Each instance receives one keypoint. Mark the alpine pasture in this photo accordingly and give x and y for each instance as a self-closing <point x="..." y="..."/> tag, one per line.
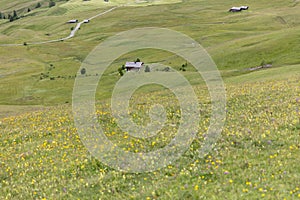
<point x="257" y="155"/>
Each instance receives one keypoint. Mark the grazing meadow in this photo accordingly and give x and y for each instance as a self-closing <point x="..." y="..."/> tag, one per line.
<point x="257" y="155"/>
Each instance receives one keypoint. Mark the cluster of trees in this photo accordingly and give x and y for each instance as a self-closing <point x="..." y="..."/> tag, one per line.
<point x="14" y="16"/>
<point x="2" y="15"/>
<point x="50" y="4"/>
<point x="183" y="67"/>
<point x="121" y="70"/>
<point x="9" y="16"/>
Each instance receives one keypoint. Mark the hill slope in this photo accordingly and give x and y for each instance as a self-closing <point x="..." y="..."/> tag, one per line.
<point x="257" y="155"/>
<point x="267" y="33"/>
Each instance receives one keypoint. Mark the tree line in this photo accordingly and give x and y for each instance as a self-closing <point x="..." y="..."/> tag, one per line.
<point x="14" y="15"/>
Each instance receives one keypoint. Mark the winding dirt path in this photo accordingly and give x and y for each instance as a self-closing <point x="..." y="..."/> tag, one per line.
<point x="72" y="34"/>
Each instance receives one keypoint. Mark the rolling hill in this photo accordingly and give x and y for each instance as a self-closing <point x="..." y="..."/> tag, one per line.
<point x="42" y="155"/>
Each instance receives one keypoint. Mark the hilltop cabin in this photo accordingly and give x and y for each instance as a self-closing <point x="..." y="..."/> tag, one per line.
<point x="73" y="21"/>
<point x="238" y="9"/>
<point x="133" y="66"/>
<point x="235" y="9"/>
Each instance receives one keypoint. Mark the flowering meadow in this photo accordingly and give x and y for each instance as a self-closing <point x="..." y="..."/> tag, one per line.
<point x="256" y="157"/>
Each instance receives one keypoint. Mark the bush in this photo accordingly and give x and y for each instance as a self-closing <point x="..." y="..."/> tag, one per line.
<point x="183" y="67"/>
<point x="121" y="70"/>
<point x="147" y="68"/>
<point x="166" y="69"/>
<point x="38" y="5"/>
<point x="51" y="4"/>
<point x="13" y="17"/>
<point x="83" y="71"/>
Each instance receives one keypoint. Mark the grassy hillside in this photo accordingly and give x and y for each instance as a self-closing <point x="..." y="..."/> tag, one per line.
<point x="268" y="33"/>
<point x="257" y="155"/>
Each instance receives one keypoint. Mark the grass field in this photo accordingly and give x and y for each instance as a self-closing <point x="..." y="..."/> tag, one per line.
<point x="257" y="155"/>
<point x="236" y="41"/>
<point x="78" y="5"/>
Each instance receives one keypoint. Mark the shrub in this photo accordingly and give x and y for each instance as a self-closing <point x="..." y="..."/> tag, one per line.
<point x="183" y="67"/>
<point x="83" y="71"/>
<point x="51" y="4"/>
<point x="38" y="5"/>
<point x="121" y="70"/>
<point x="147" y="68"/>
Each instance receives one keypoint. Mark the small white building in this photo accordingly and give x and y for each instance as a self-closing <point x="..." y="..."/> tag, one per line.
<point x="73" y="21"/>
<point x="86" y="21"/>
<point x="238" y="9"/>
<point x="235" y="9"/>
<point x="244" y="7"/>
<point x="133" y="66"/>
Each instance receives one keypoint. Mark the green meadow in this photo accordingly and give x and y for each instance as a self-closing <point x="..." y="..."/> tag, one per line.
<point x="256" y="156"/>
